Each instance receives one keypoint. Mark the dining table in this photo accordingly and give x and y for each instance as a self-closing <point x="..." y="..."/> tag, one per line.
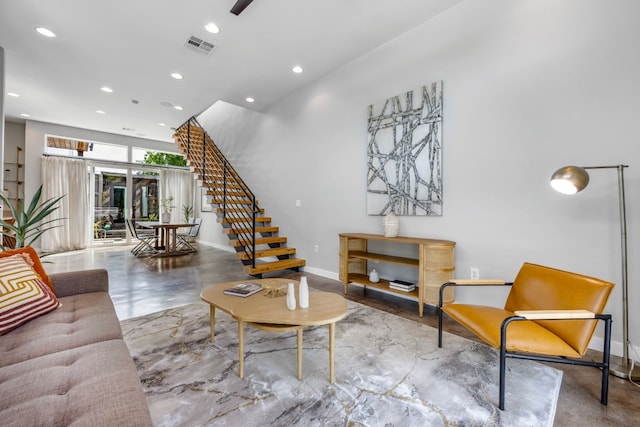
<point x="167" y="236"/>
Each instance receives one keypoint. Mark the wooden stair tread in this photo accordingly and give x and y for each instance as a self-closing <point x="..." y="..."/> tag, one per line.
<point x="245" y="211"/>
<point x="235" y="220"/>
<point x="230" y="201"/>
<point x="246" y="230"/>
<point x="271" y="252"/>
<point x="266" y="267"/>
<point x="259" y="241"/>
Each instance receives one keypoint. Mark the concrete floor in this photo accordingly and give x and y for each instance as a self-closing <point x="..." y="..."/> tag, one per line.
<point x="139" y="286"/>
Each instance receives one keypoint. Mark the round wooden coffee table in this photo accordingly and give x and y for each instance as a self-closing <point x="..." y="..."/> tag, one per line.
<point x="271" y="314"/>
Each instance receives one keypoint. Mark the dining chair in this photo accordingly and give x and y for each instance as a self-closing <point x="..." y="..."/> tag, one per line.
<point x="550" y="315"/>
<point x="185" y="239"/>
<point x="146" y="241"/>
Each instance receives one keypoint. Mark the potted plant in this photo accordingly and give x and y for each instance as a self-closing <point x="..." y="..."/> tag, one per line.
<point x="27" y="225"/>
<point x="167" y="207"/>
<point x="187" y="211"/>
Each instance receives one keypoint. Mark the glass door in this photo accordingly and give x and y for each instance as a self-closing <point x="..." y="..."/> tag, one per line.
<point x="109" y="205"/>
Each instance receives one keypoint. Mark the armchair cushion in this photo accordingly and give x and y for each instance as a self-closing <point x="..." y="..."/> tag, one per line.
<point x="527" y="336"/>
<point x="544" y="288"/>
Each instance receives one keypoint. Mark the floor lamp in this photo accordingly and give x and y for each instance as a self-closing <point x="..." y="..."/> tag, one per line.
<point x="570" y="180"/>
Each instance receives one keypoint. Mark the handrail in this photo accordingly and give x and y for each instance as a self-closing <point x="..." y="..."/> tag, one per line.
<point x="229" y="176"/>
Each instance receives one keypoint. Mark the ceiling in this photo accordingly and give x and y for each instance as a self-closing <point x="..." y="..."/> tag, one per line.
<point x="133" y="47"/>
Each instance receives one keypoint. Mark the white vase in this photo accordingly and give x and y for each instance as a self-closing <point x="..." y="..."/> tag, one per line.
<point x="166" y="217"/>
<point x="374" y="276"/>
<point x="291" y="297"/>
<point x="391" y="225"/>
<point x="303" y="293"/>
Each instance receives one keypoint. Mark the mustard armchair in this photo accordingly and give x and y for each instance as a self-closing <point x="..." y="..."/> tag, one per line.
<point x="550" y="316"/>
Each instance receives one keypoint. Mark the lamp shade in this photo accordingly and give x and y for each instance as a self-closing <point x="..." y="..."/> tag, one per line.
<point x="569" y="179"/>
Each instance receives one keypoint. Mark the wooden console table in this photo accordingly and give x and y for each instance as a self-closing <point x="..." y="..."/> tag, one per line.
<point x="435" y="264"/>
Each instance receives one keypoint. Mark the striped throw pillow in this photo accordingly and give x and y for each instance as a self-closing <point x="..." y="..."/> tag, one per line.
<point x="23" y="296"/>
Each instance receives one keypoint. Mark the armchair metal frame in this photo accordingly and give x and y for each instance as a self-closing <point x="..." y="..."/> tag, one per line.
<point x="504" y="353"/>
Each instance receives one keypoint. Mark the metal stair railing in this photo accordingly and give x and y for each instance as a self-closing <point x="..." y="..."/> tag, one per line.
<point x="214" y="160"/>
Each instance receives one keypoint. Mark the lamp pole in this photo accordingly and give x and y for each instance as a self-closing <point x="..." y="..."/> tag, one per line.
<point x="572" y="179"/>
<point x="622" y="368"/>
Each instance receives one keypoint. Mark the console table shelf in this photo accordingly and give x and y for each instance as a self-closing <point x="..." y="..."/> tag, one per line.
<point x="363" y="279"/>
<point x="385" y="258"/>
<point x="435" y="265"/>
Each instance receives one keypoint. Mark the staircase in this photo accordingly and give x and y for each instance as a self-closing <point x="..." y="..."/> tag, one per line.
<point x="257" y="243"/>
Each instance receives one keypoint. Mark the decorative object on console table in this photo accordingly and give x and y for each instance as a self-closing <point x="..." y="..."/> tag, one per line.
<point x="435" y="265"/>
<point x="391" y="225"/>
<point x="571" y="180"/>
<point x="402" y="285"/>
<point x="244" y="289"/>
<point x="374" y="276"/>
<point x="404" y="164"/>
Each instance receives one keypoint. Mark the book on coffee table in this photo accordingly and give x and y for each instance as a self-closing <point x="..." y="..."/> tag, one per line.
<point x="243" y="289"/>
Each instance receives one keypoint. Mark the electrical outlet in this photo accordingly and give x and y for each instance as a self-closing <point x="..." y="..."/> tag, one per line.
<point x="298" y="203"/>
<point x="316" y="248"/>
<point x="474" y="273"/>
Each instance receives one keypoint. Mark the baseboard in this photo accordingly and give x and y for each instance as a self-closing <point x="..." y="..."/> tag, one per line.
<point x="319" y="272"/>
<point x="616" y="348"/>
<point x="225" y="248"/>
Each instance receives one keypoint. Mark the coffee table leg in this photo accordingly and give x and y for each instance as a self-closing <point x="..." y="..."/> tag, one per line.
<point x="332" y="334"/>
<point x="300" y="353"/>
<point x="241" y="348"/>
<point x="212" y="321"/>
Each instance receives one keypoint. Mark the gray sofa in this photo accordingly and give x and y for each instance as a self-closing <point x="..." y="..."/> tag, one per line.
<point x="71" y="367"/>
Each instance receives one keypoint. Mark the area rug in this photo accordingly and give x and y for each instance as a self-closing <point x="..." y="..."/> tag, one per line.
<point x="389" y="371"/>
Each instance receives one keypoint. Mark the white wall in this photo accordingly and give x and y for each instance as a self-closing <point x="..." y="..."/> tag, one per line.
<point x="529" y="86"/>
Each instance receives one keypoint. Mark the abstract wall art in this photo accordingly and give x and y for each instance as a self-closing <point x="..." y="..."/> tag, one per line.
<point x="404" y="153"/>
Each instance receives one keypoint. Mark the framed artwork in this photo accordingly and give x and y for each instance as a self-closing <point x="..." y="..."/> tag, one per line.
<point x="205" y="206"/>
<point x="404" y="153"/>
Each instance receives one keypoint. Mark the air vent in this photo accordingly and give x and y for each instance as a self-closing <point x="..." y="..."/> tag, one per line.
<point x="199" y="45"/>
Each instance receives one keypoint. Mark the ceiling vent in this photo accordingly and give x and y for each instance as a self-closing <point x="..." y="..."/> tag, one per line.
<point x="199" y="45"/>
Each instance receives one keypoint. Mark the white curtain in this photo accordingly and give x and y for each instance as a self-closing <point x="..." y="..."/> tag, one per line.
<point x="180" y="185"/>
<point x="68" y="178"/>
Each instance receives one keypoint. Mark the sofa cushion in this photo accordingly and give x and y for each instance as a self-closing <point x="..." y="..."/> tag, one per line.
<point x="93" y="385"/>
<point x="37" y="265"/>
<point x="82" y="319"/>
<point x="23" y="296"/>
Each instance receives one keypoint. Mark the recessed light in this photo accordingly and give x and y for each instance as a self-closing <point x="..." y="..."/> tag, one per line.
<point x="15" y="95"/>
<point x="297" y="69"/>
<point x="177" y="76"/>
<point x="25" y="115"/>
<point x="45" y="32"/>
<point x="250" y="99"/>
<point x="162" y="124"/>
<point x="100" y="112"/>
<point x="177" y="107"/>
<point x="212" y="28"/>
<point x="106" y="89"/>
